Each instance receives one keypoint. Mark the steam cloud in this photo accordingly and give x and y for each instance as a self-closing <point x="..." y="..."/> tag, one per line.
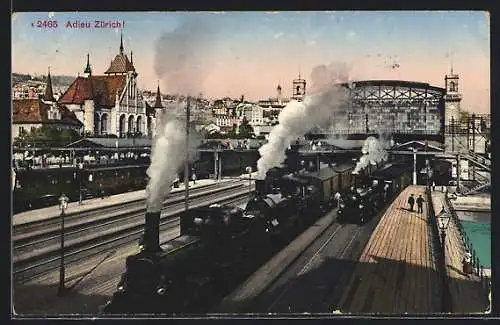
<point x="181" y="55"/>
<point x="168" y="155"/>
<point x="297" y="118"/>
<point x="180" y="63"/>
<point x="374" y="151"/>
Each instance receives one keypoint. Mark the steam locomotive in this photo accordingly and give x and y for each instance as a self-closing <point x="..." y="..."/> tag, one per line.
<point x="213" y="242"/>
<point x="361" y="203"/>
<point x="221" y="243"/>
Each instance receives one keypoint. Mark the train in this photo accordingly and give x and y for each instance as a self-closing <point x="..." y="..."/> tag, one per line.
<point x="38" y="188"/>
<point x="224" y="240"/>
<point x="213" y="238"/>
<point x="361" y="203"/>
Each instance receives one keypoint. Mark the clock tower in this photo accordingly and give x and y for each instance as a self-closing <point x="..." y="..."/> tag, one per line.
<point x="452" y="99"/>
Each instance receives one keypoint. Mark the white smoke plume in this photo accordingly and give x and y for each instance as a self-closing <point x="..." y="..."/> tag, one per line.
<point x="180" y="62"/>
<point x="374" y="151"/>
<point x="168" y="154"/>
<point x="182" y="55"/>
<point x="297" y="118"/>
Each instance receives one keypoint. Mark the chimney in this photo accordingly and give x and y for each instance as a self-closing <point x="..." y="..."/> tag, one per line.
<point x="152" y="232"/>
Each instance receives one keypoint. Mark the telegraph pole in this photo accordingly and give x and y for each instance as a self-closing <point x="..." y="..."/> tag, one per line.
<point x="186" y="164"/>
<point x="366" y="123"/>
<point x="468" y="133"/>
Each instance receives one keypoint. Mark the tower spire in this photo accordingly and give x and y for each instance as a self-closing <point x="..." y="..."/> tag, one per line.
<point x="49" y="95"/>
<point x="121" y="42"/>
<point x="88" y="69"/>
<point x="158" y="97"/>
<point x="131" y="57"/>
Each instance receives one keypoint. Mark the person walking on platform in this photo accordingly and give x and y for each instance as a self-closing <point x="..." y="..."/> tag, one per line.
<point x="337" y="199"/>
<point x="467" y="263"/>
<point x="101" y="191"/>
<point x="411" y="202"/>
<point x="420" y="204"/>
<point x="433" y="186"/>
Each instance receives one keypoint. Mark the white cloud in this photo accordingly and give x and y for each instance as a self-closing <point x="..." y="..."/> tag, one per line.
<point x="351" y="34"/>
<point x="278" y="35"/>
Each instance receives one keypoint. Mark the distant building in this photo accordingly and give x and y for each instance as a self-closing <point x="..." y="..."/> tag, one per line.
<point x="274" y="103"/>
<point x="29" y="114"/>
<point x="252" y="112"/>
<point x="111" y="103"/>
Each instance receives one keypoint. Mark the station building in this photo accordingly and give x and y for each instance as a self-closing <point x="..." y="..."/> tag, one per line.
<point x="111" y="104"/>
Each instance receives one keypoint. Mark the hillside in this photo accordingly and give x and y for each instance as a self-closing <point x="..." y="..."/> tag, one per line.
<point x="56" y="80"/>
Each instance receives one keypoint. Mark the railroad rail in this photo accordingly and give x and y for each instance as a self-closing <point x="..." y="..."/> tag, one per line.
<point x="109" y="237"/>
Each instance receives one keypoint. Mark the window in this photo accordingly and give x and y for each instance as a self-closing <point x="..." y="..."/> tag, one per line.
<point x="21" y="130"/>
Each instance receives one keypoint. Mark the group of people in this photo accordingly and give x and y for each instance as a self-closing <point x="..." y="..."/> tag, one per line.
<point x="420" y="203"/>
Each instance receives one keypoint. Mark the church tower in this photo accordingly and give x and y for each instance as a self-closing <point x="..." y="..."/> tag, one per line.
<point x="299" y="88"/>
<point x="452" y="99"/>
<point x="88" y="69"/>
<point x="48" y="96"/>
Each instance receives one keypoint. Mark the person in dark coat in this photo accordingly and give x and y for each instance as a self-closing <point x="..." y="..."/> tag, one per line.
<point x="420" y="204"/>
<point x="411" y="202"/>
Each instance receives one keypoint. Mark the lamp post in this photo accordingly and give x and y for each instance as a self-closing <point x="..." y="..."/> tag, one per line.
<point x="80" y="168"/>
<point x="443" y="219"/>
<point x="249" y="171"/>
<point x="63" y="203"/>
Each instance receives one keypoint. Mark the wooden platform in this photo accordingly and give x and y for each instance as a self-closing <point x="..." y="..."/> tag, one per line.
<point x="467" y="294"/>
<point x="396" y="273"/>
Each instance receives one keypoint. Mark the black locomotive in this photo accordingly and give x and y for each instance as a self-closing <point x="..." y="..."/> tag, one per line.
<point x="219" y="244"/>
<point x="215" y="242"/>
<point x="362" y="202"/>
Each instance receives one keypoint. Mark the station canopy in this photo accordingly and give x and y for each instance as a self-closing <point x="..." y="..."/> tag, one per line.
<point x="111" y="143"/>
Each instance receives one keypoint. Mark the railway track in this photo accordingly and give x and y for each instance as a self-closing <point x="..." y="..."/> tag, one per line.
<point x="319" y="272"/>
<point x="32" y="243"/>
<point x="22" y="231"/>
<point x="97" y="243"/>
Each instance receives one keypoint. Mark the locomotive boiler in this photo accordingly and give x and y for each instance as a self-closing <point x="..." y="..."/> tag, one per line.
<point x="187" y="269"/>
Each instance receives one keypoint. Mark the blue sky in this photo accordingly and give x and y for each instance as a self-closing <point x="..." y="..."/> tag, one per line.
<point x="271" y="47"/>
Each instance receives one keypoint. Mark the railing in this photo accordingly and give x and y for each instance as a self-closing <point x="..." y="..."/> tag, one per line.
<point x="477" y="268"/>
<point x="446" y="305"/>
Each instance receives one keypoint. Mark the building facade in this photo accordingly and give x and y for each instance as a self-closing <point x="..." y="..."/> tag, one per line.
<point x="29" y="114"/>
<point x="111" y="104"/>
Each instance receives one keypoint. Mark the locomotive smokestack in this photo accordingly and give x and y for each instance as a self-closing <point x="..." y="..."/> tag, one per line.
<point x="152" y="232"/>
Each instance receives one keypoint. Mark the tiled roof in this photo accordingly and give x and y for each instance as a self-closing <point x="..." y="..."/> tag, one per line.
<point x="102" y="89"/>
<point x="120" y="64"/>
<point x="35" y="111"/>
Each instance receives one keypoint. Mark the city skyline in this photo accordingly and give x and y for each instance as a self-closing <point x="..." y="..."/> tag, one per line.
<point x="249" y="53"/>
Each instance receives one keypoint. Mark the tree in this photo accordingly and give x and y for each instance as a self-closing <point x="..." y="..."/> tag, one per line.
<point x="46" y="136"/>
<point x="246" y="130"/>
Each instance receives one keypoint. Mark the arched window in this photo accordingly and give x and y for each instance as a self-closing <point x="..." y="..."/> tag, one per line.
<point x="453" y="86"/>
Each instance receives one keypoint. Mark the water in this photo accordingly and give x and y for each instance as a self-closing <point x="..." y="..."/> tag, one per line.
<point x="478" y="228"/>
